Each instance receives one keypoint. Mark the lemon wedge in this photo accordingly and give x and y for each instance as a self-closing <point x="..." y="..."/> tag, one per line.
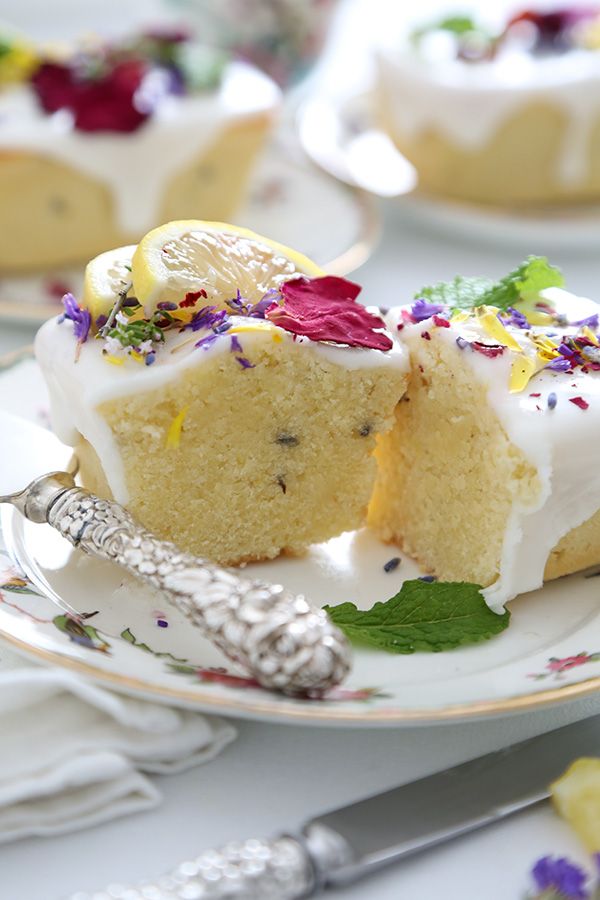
<point x="105" y="277"/>
<point x="193" y="255"/>
<point x="576" y="796"/>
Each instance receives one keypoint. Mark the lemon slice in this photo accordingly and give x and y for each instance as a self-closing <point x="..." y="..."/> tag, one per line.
<point x="105" y="277"/>
<point x="576" y="795"/>
<point x="221" y="259"/>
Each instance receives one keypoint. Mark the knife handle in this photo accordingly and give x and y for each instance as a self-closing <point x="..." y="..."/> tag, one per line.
<point x="280" y="869"/>
<point x="278" y="637"/>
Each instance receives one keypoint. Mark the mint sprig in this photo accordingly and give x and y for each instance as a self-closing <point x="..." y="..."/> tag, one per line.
<point x="460" y="293"/>
<point x="532" y="276"/>
<point x="422" y="616"/>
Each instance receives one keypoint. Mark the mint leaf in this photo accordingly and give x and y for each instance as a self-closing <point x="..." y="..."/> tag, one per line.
<point x="431" y="616"/>
<point x="457" y="25"/>
<point x="531" y="277"/>
<point x="460" y="293"/>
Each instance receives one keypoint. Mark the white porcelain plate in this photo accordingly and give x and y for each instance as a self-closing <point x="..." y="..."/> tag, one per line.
<point x="342" y="136"/>
<point x="285" y="198"/>
<point x="70" y="610"/>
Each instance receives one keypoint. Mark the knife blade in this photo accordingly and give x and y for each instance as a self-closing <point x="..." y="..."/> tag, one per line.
<point x="388" y="827"/>
<point x="352" y="842"/>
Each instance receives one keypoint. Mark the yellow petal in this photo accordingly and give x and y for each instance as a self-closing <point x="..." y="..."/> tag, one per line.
<point x="522" y="370"/>
<point x="174" y="432"/>
<point x="488" y="319"/>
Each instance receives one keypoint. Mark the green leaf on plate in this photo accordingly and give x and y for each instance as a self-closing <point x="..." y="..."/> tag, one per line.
<point x="430" y="616"/>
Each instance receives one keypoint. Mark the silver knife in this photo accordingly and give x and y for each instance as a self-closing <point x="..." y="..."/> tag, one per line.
<point x="350" y="843"/>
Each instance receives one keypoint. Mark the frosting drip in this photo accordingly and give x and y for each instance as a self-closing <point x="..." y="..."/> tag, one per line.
<point x="136" y="167"/>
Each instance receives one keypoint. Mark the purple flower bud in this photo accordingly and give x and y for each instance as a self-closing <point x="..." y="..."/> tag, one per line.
<point x="421" y="309"/>
<point x="562" y="876"/>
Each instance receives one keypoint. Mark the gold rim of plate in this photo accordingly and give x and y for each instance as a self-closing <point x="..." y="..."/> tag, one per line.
<point x="316" y="713"/>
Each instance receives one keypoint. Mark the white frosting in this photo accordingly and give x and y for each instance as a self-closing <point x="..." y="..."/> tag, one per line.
<point x="137" y="166"/>
<point x="468" y="102"/>
<point x="78" y="388"/>
<point x="561" y="444"/>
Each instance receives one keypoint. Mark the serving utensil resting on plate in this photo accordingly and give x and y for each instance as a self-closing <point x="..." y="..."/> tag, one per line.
<point x="283" y="641"/>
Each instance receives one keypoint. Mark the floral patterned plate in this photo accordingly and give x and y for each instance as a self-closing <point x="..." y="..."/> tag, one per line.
<point x="285" y="192"/>
<point x="61" y="607"/>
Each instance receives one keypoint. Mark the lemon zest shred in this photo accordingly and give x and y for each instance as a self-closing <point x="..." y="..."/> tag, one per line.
<point x="175" y="428"/>
<point x="239" y="329"/>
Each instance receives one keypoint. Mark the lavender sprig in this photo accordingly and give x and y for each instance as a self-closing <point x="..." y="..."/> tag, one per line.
<point x="81" y="318"/>
<point x="556" y="878"/>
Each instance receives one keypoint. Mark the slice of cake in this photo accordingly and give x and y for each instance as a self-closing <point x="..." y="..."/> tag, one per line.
<point x="103" y="141"/>
<point x="490" y="474"/>
<point x="224" y="389"/>
<point x="497" y="110"/>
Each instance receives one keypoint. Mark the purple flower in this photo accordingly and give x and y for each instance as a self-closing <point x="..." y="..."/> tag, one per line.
<point x="516" y="318"/>
<point x="236" y="347"/>
<point x="166" y="304"/>
<point x="591" y="321"/>
<point x="243" y="307"/>
<point x="562" y="876"/>
<point x="80" y="318"/>
<point x="560" y="364"/>
<point x="245" y="363"/>
<point x="421" y="309"/>
<point x="207" y="341"/>
<point x="208" y="317"/>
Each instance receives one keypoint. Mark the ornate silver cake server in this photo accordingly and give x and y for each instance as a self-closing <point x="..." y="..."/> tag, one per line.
<point x="283" y="641"/>
<point x="349" y="843"/>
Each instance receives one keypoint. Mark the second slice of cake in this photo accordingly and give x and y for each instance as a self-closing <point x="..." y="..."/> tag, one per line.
<point x="231" y="395"/>
<point x="490" y="474"/>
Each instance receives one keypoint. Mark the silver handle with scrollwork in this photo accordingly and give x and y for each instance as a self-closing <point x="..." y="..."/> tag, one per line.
<point x="284" y="642"/>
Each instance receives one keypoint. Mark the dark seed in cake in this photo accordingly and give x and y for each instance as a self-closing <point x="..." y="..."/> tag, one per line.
<point x="281" y="482"/>
<point x="287" y="440"/>
<point x="365" y="430"/>
<point x="58" y="205"/>
<point x="392" y="564"/>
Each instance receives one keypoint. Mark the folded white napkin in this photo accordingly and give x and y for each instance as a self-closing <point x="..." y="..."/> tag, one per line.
<point x="72" y="753"/>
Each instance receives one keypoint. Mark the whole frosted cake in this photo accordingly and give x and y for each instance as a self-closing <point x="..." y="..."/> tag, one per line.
<point x="490" y="474"/>
<point x="503" y="112"/>
<point x="224" y="389"/>
<point x="103" y="142"/>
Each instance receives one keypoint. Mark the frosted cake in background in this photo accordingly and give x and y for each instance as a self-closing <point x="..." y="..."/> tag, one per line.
<point x="101" y="142"/>
<point x="224" y="389"/>
<point x="490" y="474"/>
<point x="503" y="114"/>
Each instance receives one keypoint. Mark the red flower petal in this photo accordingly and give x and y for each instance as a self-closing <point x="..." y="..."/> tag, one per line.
<point x="325" y="309"/>
<point x="105" y="103"/>
<point x="580" y="402"/>
<point x="490" y="350"/>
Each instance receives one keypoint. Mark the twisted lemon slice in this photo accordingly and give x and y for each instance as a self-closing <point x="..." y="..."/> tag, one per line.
<point x="576" y="795"/>
<point x="192" y="255"/>
<point x="106" y="276"/>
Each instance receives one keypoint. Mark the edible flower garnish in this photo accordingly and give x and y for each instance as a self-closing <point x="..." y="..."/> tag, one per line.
<point x="325" y="309"/>
<point x="118" y="86"/>
<point x="557" y="877"/>
<point x="80" y="318"/>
